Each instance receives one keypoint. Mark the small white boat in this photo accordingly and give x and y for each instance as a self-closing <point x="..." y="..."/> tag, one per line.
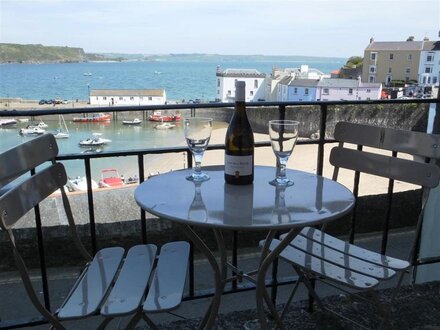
<point x="63" y="131"/>
<point x="41" y="124"/>
<point x="32" y="130"/>
<point x="164" y="126"/>
<point x="135" y="121"/>
<point x="87" y="74"/>
<point x="80" y="184"/>
<point x="7" y="122"/>
<point x="95" y="141"/>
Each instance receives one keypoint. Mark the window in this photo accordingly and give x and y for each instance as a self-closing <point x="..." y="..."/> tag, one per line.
<point x="373" y="56"/>
<point x="409" y="57"/>
<point x="391" y="56"/>
<point x="430" y="58"/>
<point x="434" y="80"/>
<point x="407" y="70"/>
<point x="350" y="91"/>
<point x="371" y="79"/>
<point x="325" y="91"/>
<point x="255" y="83"/>
<point x="372" y="69"/>
<point x="388" y="79"/>
<point x="131" y="98"/>
<point x="306" y="91"/>
<point x="121" y="98"/>
<point x="229" y="93"/>
<point x="104" y="98"/>
<point x="368" y="90"/>
<point x="97" y="98"/>
<point x="251" y="93"/>
<point x="424" y="80"/>
<point x="428" y="69"/>
<point x="389" y="70"/>
<point x="295" y="90"/>
<point x="150" y="98"/>
<point x="429" y="80"/>
<point x="218" y="82"/>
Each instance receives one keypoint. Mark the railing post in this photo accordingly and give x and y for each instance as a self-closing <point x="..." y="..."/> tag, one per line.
<point x="91" y="205"/>
<point x="322" y="131"/>
<point x="143" y="217"/>
<point x="43" y="267"/>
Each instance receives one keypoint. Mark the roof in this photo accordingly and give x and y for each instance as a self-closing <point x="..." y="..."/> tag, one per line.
<point x="304" y="82"/>
<point x="241" y="73"/>
<point x="341" y="83"/>
<point x="127" y="92"/>
<point x="431" y="45"/>
<point x="395" y="45"/>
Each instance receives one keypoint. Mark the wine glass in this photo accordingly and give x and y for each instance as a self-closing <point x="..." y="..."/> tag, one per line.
<point x="197" y="135"/>
<point x="283" y="135"/>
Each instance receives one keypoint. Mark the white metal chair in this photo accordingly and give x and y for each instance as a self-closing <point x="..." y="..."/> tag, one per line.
<point x="113" y="283"/>
<point x="316" y="255"/>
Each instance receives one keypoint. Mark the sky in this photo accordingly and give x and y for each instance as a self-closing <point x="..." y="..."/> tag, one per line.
<point x="331" y="28"/>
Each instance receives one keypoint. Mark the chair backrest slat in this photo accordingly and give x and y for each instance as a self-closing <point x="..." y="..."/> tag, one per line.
<point x="24" y="196"/>
<point x="423" y="174"/>
<point x="414" y="143"/>
<point x="21" y="159"/>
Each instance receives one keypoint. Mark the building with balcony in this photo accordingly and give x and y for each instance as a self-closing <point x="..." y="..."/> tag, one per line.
<point x="123" y="97"/>
<point x="389" y="61"/>
<point x="429" y="68"/>
<point x="255" y="84"/>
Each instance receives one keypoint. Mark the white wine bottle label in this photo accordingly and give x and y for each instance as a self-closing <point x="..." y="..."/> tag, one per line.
<point x="238" y="165"/>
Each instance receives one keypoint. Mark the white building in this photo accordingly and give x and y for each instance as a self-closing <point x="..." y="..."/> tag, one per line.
<point x="255" y="84"/>
<point x="329" y="89"/>
<point x="280" y="79"/>
<point x="429" y="67"/>
<point x="109" y="97"/>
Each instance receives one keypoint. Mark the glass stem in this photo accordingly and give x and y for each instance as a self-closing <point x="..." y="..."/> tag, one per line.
<point x="282" y="169"/>
<point x="198" y="160"/>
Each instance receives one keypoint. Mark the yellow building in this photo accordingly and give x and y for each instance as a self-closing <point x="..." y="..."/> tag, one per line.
<point x="391" y="61"/>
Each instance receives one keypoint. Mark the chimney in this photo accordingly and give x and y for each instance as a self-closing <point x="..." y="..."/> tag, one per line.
<point x="371" y="40"/>
<point x="425" y="39"/>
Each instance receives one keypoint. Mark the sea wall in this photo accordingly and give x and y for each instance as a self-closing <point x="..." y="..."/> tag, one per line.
<point x="405" y="116"/>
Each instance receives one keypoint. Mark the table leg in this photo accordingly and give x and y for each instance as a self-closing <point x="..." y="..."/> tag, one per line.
<point x="219" y="274"/>
<point x="266" y="260"/>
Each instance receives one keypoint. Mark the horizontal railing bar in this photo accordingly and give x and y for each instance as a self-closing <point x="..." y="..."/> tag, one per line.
<point x="62" y="111"/>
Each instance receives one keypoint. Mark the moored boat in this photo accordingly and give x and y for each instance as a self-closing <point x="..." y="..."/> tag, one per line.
<point x="157" y="116"/>
<point x="63" y="131"/>
<point x="164" y="126"/>
<point x="95" y="141"/>
<point x="80" y="184"/>
<point x="110" y="178"/>
<point x="7" y="122"/>
<point x="135" y="121"/>
<point x="32" y="130"/>
<point x="93" y="117"/>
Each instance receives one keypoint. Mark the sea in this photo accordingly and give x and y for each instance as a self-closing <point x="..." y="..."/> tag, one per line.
<point x="184" y="78"/>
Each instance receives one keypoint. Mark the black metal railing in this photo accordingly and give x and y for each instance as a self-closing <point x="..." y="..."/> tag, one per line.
<point x="87" y="158"/>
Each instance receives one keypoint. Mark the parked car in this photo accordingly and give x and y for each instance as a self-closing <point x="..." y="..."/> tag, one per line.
<point x="42" y="102"/>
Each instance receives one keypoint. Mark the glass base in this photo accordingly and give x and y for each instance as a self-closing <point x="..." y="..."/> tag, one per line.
<point x="281" y="182"/>
<point x="198" y="177"/>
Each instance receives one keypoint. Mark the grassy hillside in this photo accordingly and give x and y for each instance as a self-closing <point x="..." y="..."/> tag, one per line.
<point x="15" y="53"/>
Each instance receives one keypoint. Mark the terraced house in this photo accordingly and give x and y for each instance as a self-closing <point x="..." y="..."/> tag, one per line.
<point x="387" y="62"/>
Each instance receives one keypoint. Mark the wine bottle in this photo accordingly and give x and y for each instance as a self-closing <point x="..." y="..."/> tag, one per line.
<point x="239" y="142"/>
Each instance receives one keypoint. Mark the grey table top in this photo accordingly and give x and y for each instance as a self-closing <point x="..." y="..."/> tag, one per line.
<point x="310" y="201"/>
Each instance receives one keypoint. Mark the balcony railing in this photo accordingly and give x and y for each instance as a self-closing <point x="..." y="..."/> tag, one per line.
<point x="281" y="109"/>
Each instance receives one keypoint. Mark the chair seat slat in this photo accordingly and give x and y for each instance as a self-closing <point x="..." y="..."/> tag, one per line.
<point x="168" y="282"/>
<point x="353" y="250"/>
<point x="340" y="258"/>
<point x="128" y="291"/>
<point x="323" y="268"/>
<point x="93" y="286"/>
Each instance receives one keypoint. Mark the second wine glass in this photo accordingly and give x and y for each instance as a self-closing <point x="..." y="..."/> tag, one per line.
<point x="283" y="136"/>
<point x="197" y="135"/>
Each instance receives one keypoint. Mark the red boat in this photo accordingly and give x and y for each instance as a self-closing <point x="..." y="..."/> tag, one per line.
<point x="93" y="117"/>
<point x="110" y="178"/>
<point x="157" y="116"/>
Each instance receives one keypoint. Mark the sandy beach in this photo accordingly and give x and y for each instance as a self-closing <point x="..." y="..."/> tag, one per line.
<point x="304" y="158"/>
